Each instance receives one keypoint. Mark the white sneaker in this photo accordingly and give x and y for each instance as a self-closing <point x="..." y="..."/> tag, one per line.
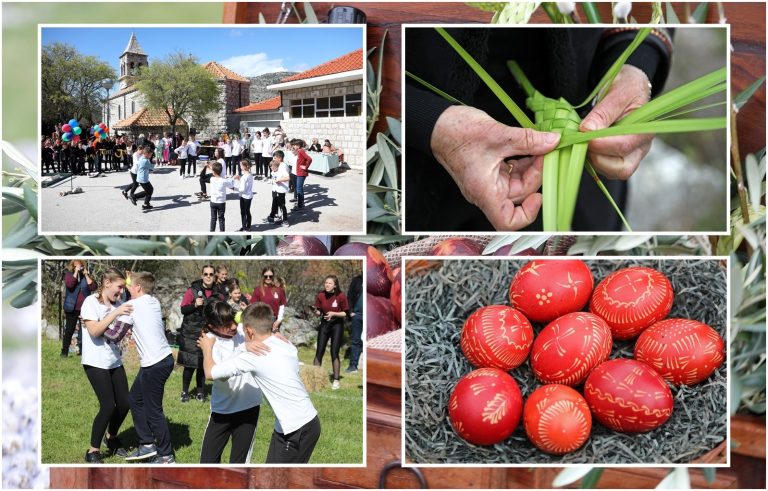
<point x="336" y="385"/>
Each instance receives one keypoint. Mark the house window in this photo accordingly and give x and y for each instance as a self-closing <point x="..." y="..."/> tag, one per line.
<point x="133" y="107"/>
<point x="324" y="107"/>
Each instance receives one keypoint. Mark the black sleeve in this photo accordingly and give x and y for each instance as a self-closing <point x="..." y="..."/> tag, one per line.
<point x="652" y="56"/>
<point x="423" y="110"/>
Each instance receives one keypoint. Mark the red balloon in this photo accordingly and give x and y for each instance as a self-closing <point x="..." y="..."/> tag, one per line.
<point x="631" y="299"/>
<point x="102" y="126"/>
<point x="557" y="419"/>
<point x="683" y="351"/>
<point x="569" y="348"/>
<point x="628" y="396"/>
<point x="485" y="406"/>
<point x="544" y="290"/>
<point x="497" y="336"/>
<point x="66" y="128"/>
<point x="76" y="138"/>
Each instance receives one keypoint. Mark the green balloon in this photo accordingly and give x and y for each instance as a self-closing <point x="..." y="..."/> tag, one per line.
<point x="77" y="130"/>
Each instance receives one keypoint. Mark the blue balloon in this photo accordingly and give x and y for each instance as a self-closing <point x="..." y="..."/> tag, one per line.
<point x="73" y="123"/>
<point x="67" y="136"/>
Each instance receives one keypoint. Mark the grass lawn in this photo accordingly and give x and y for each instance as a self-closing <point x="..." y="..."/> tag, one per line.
<point x="69" y="406"/>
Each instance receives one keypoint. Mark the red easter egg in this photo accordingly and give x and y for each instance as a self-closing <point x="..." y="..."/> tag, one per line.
<point x="379" y="316"/>
<point x="544" y="290"/>
<point x="457" y="247"/>
<point x="557" y="419"/>
<point x="628" y="396"/>
<point x="377" y="271"/>
<point x="396" y="295"/>
<point x="683" y="351"/>
<point x="485" y="406"/>
<point x="496" y="336"/>
<point x="632" y="299"/>
<point x="301" y="245"/>
<point x="569" y="347"/>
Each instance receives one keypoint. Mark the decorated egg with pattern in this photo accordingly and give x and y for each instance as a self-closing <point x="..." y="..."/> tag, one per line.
<point x="496" y="336"/>
<point x="543" y="290"/>
<point x="485" y="406"/>
<point x="628" y="396"/>
<point x="683" y="351"/>
<point x="556" y="419"/>
<point x="631" y="299"/>
<point x="569" y="347"/>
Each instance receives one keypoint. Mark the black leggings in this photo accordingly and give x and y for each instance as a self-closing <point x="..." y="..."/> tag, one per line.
<point x="111" y="387"/>
<point x="241" y="426"/>
<point x="245" y="213"/>
<point x="335" y="332"/>
<point x="69" y="329"/>
<point x="186" y="378"/>
<point x="182" y="164"/>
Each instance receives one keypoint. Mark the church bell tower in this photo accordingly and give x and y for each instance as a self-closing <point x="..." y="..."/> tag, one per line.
<point x="132" y="59"/>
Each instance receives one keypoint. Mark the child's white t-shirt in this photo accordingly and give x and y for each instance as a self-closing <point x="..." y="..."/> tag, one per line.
<point x="290" y="160"/>
<point x="266" y="146"/>
<point x="277" y="374"/>
<point x="281" y="172"/>
<point x="219" y="187"/>
<point x="148" y="330"/>
<point x="239" y="392"/>
<point x="135" y="167"/>
<point x="245" y="186"/>
<point x="97" y="351"/>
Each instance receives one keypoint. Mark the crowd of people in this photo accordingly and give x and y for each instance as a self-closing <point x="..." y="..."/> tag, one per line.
<point x="274" y="159"/>
<point x="226" y="336"/>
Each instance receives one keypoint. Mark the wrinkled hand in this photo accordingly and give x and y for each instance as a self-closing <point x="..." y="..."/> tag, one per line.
<point x="257" y="347"/>
<point x="472" y="147"/>
<point x="618" y="157"/>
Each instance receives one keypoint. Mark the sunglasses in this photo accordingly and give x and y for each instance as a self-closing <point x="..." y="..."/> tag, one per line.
<point x="267" y="276"/>
<point x="207" y="274"/>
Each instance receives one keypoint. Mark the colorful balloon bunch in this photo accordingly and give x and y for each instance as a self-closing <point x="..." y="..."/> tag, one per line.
<point x="100" y="131"/>
<point x="71" y="131"/>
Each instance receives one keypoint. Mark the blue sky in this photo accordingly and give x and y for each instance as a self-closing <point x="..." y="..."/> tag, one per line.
<point x="249" y="51"/>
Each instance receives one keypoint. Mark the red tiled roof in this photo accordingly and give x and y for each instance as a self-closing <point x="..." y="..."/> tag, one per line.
<point x="265" y="105"/>
<point x="147" y="117"/>
<point x="220" y="71"/>
<point x="345" y="63"/>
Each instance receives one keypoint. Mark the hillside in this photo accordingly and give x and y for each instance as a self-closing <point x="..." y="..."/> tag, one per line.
<point x="259" y="84"/>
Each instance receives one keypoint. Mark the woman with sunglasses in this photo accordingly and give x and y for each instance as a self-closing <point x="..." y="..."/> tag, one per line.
<point x="201" y="291"/>
<point x="272" y="295"/>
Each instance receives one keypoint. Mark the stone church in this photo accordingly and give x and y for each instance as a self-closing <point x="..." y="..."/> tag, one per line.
<point x="126" y="112"/>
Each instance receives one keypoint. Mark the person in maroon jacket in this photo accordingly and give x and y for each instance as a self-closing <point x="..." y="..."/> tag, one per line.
<point x="303" y="161"/>
<point x="78" y="285"/>
<point x="332" y="305"/>
<point x="272" y="295"/>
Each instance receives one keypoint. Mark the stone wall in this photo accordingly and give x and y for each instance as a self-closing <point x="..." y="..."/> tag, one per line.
<point x="347" y="133"/>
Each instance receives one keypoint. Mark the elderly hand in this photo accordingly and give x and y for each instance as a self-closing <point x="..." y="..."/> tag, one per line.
<point x="472" y="147"/>
<point x="618" y="157"/>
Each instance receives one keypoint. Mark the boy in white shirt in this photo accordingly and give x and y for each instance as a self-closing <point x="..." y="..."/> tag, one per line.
<point x="297" y="425"/>
<point x="219" y="186"/>
<point x="245" y="189"/>
<point x="237" y="149"/>
<point x="267" y="142"/>
<point x="235" y="402"/>
<point x="279" y="178"/>
<point x="156" y="365"/>
<point x="129" y="190"/>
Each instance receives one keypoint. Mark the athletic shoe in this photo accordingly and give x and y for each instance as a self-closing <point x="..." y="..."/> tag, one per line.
<point x="125" y="194"/>
<point x="198" y="194"/>
<point x="336" y="385"/>
<point x="351" y="370"/>
<point x="285" y="223"/>
<point x="201" y="396"/>
<point x="204" y="197"/>
<point x="93" y="457"/>
<point x="147" y="207"/>
<point x="143" y="452"/>
<point x="270" y="219"/>
<point x="163" y="459"/>
<point x="133" y="200"/>
<point x="185" y="397"/>
<point x="115" y="446"/>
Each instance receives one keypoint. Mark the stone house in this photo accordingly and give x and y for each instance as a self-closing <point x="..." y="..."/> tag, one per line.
<point x="325" y="101"/>
<point x="127" y="114"/>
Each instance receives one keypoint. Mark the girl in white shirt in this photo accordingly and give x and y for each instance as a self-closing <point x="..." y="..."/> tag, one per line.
<point x="182" y="153"/>
<point x="103" y="364"/>
<point x="245" y="189"/>
<point x="235" y="401"/>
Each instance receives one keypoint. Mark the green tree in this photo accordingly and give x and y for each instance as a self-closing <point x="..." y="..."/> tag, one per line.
<point x="71" y="85"/>
<point x="180" y="87"/>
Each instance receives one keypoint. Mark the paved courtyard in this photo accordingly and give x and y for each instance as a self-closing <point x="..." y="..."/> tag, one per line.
<point x="333" y="204"/>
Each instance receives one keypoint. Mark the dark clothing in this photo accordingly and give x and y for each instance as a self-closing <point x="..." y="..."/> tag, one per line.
<point x="146" y="192"/>
<point x="278" y="203"/>
<point x="70" y="323"/>
<point x="245" y="213"/>
<point x="273" y="296"/>
<point x="241" y="426"/>
<point x="300" y="190"/>
<point x="355" y="297"/>
<point x="295" y="447"/>
<point x="324" y="302"/>
<point x="192" y="324"/>
<point x="182" y="164"/>
<point x="217" y="213"/>
<point x="146" y="398"/>
<point x="77" y="289"/>
<point x="131" y="189"/>
<point x="579" y="57"/>
<point x="186" y="379"/>
<point x="111" y="388"/>
<point x="332" y="330"/>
